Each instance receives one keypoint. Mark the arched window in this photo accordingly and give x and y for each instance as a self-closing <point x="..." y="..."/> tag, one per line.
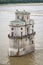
<point x="12" y="28"/>
<point x="21" y="28"/>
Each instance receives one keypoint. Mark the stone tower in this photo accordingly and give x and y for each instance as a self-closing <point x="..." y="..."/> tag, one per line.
<point x="21" y="37"/>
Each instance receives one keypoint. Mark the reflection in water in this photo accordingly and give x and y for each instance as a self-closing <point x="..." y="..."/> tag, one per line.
<point x="34" y="58"/>
<point x="24" y="60"/>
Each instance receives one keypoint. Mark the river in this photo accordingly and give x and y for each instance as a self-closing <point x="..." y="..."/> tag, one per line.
<point x="7" y="14"/>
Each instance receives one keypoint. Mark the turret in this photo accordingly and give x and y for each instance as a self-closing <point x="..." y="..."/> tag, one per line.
<point x="23" y="15"/>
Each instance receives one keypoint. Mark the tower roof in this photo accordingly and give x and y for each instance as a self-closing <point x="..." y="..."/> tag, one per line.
<point x="17" y="22"/>
<point x="22" y="12"/>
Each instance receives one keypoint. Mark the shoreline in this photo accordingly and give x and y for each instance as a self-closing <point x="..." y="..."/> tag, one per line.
<point x="23" y="4"/>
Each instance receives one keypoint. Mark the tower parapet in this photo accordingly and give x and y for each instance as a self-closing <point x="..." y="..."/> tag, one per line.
<point x="21" y="35"/>
<point x="23" y="15"/>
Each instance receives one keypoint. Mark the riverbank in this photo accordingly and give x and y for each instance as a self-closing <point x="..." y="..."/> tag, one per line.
<point x="23" y="4"/>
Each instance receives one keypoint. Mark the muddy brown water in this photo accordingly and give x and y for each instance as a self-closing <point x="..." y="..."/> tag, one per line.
<point x="7" y="14"/>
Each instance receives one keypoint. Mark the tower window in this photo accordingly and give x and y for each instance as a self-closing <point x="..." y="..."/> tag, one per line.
<point x="21" y="28"/>
<point x="12" y="28"/>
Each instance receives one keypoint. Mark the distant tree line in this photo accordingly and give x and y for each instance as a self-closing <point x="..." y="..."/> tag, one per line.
<point x="20" y="1"/>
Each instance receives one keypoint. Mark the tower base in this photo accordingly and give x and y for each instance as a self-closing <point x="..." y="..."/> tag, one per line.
<point x="22" y="51"/>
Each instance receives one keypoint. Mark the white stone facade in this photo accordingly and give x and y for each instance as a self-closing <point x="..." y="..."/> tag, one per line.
<point x="21" y="37"/>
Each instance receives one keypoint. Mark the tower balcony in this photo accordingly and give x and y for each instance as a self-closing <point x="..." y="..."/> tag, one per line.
<point x="20" y="37"/>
